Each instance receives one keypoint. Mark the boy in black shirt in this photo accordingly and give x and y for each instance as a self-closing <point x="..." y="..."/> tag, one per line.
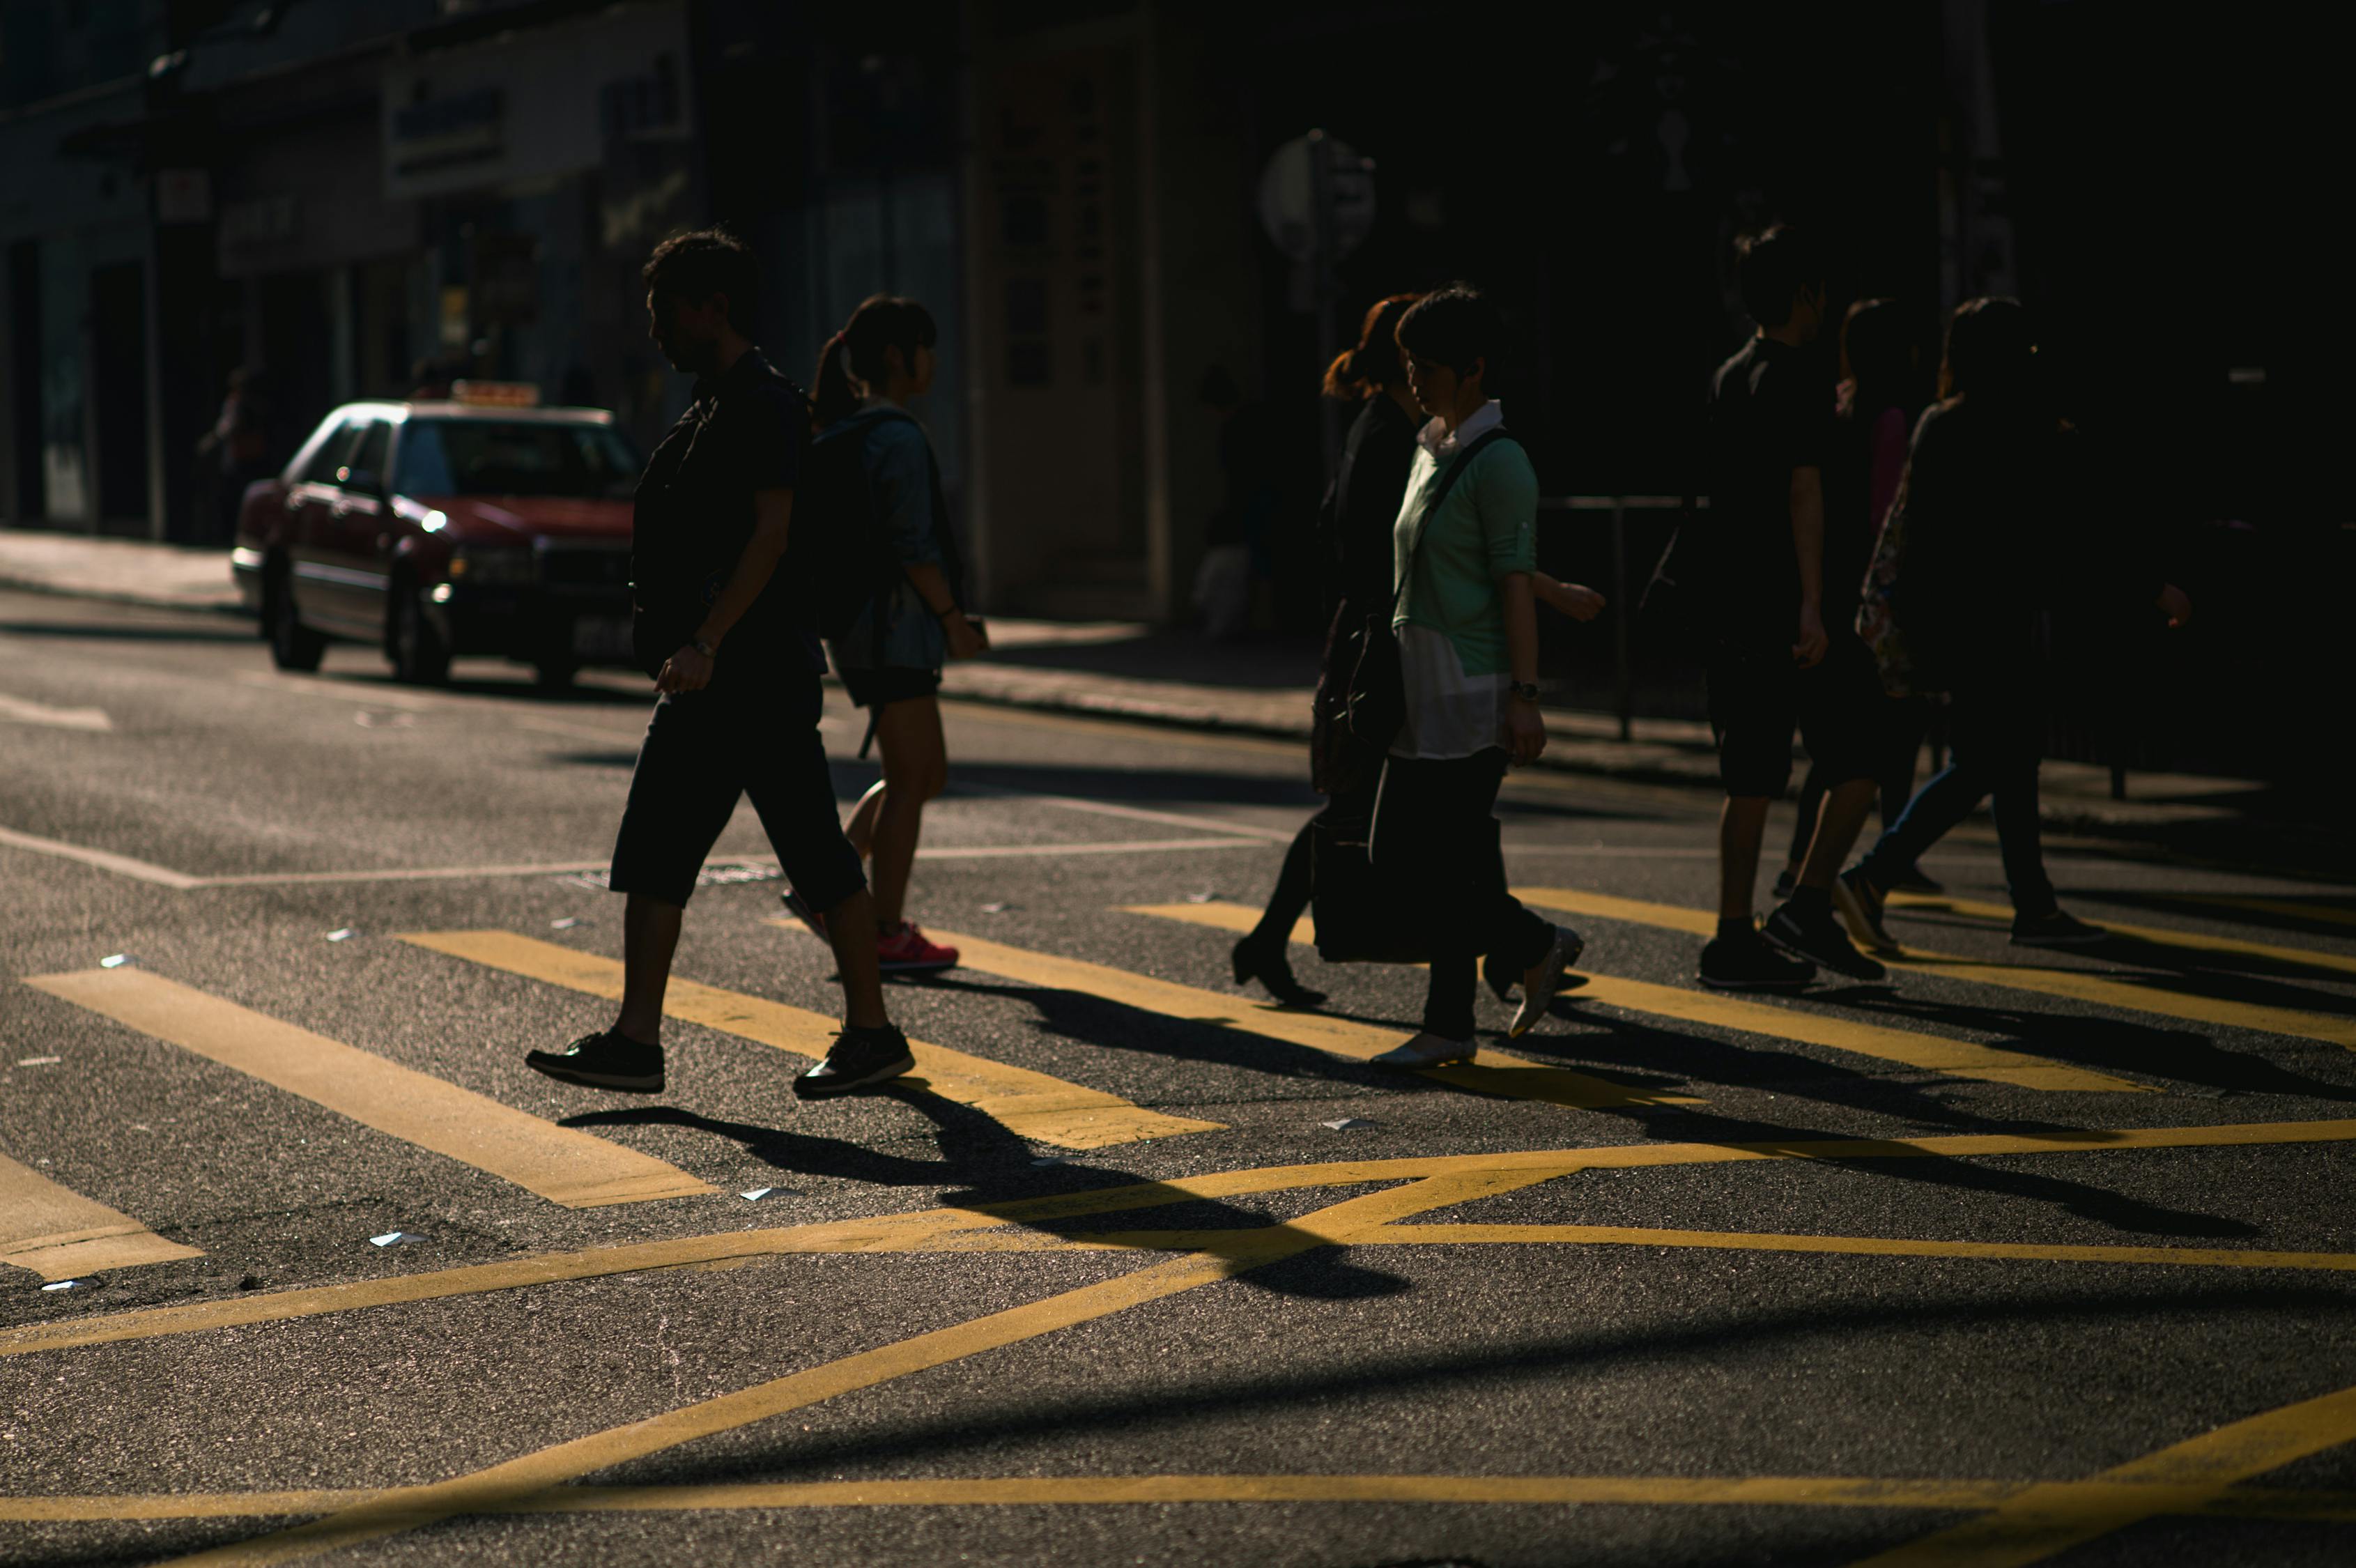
<point x="739" y="709"/>
<point x="1774" y="666"/>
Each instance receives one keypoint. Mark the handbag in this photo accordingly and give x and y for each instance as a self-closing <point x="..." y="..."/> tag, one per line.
<point x="1361" y="699"/>
<point x="1877" y="618"/>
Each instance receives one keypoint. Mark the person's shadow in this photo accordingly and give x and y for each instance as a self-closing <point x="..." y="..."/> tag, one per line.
<point x="991" y="1169"/>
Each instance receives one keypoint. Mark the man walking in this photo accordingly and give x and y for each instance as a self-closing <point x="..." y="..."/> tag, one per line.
<point x="738" y="677"/>
<point x="1774" y="666"/>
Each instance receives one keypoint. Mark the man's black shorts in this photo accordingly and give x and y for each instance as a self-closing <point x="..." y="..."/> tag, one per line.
<point x="759" y="737"/>
<point x="1758" y="699"/>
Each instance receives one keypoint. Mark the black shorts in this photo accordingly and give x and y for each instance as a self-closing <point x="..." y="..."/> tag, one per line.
<point x="1759" y="700"/>
<point x="875" y="688"/>
<point x="755" y="736"/>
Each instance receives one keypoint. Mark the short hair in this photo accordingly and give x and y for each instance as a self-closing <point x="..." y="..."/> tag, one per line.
<point x="694" y="265"/>
<point x="1454" y="327"/>
<point x="1772" y="268"/>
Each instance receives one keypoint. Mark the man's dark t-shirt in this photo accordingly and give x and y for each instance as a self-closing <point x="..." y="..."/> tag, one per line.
<point x="744" y="433"/>
<point x="1771" y="408"/>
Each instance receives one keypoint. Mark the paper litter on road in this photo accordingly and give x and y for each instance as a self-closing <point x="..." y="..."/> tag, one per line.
<point x="757" y="1194"/>
<point x="116" y="961"/>
<point x="395" y="1238"/>
<point x="62" y="1284"/>
<point x="342" y="934"/>
<point x="567" y="923"/>
<point x="39" y="1062"/>
<point x="996" y="909"/>
<point x="1203" y="897"/>
<point x="1348" y="1124"/>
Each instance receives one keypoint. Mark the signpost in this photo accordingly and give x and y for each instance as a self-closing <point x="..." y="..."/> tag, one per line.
<point x="1317" y="203"/>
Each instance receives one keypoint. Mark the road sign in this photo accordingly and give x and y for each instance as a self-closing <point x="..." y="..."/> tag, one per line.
<point x="1289" y="189"/>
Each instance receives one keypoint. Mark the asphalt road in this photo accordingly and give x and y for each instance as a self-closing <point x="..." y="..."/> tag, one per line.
<point x="2017" y="1258"/>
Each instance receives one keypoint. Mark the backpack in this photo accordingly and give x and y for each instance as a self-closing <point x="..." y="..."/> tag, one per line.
<point x="838" y="561"/>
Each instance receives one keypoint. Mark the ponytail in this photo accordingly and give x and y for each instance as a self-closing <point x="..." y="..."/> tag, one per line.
<point x="832" y="396"/>
<point x="854" y="364"/>
<point x="1361" y="371"/>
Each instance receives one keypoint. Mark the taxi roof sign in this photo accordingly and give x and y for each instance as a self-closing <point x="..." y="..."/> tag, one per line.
<point x="496" y="394"/>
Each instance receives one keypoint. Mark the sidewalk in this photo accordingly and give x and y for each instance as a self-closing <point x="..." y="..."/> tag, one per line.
<point x="1260" y="685"/>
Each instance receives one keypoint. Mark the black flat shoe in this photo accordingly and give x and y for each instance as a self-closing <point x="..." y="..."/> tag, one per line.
<point x="604" y="1062"/>
<point x="1274" y="970"/>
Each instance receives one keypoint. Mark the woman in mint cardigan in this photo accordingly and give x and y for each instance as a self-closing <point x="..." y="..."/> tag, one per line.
<point x="1464" y="561"/>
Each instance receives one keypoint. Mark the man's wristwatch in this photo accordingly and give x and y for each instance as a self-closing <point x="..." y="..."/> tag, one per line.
<point x="707" y="649"/>
<point x="1527" y="690"/>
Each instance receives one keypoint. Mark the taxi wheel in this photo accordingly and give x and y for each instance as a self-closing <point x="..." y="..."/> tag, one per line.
<point x="420" y="657"/>
<point x="292" y="645"/>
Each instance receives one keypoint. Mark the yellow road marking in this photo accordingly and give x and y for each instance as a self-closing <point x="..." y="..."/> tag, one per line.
<point x="2162" y="935"/>
<point x="2075" y="985"/>
<point x="1496" y="1072"/>
<point x="951" y="1229"/>
<point x="409" y="1508"/>
<point x="1030" y="1104"/>
<point x="561" y="1163"/>
<point x="1011" y="1491"/>
<point x="2183" y="1477"/>
<point x="2329" y="914"/>
<point x="1865" y="1246"/>
<point x="1933" y="1053"/>
<point x="59" y="1234"/>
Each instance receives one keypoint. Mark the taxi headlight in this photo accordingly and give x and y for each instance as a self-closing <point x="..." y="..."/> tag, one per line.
<point x="479" y="567"/>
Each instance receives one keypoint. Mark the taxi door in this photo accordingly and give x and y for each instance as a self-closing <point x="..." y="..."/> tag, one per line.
<point x="310" y="553"/>
<point x="355" y="535"/>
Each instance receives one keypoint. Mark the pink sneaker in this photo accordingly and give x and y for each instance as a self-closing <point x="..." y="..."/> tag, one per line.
<point x="905" y="949"/>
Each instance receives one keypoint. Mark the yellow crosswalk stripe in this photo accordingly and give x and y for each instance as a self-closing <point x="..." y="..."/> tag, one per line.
<point x="1032" y="1105"/>
<point x="1931" y="1053"/>
<point x="561" y="1163"/>
<point x="2290" y="908"/>
<point x="59" y="1234"/>
<point x="2076" y="985"/>
<point x="1497" y="1072"/>
<point x="2161" y="935"/>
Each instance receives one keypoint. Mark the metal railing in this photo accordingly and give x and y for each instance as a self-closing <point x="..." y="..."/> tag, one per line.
<point x="1622" y="613"/>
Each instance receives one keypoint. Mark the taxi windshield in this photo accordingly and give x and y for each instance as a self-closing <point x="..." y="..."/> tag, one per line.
<point x="514" y="458"/>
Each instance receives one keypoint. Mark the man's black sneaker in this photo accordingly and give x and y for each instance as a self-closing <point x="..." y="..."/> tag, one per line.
<point x="1914" y="879"/>
<point x="604" y="1062"/>
<point x="1861" y="905"/>
<point x="858" y="1058"/>
<point x="1746" y="962"/>
<point x="1785" y="880"/>
<point x="2055" y="929"/>
<point x="1817" y="936"/>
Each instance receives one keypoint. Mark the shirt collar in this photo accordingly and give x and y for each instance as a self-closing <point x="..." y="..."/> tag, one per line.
<point x="748" y="364"/>
<point x="1437" y="439"/>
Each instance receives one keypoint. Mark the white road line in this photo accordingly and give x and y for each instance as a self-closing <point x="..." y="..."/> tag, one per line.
<point x="19" y="710"/>
<point x="121" y="865"/>
<point x="1139" y="814"/>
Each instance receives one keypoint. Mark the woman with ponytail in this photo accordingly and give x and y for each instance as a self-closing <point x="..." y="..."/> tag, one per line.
<point x="890" y="657"/>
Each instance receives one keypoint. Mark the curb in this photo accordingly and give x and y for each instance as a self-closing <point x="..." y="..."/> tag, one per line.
<point x="114" y="597"/>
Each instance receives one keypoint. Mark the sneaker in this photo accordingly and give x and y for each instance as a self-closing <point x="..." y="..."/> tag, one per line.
<point x="2056" y="929"/>
<point x="1914" y="879"/>
<point x="799" y="907"/>
<point x="1819" y="936"/>
<point x="1426" y="1050"/>
<point x="858" y="1058"/>
<point x="1538" y="996"/>
<point x="604" y="1062"/>
<point x="1785" y="880"/>
<point x="1746" y="962"/>
<point x="904" y="950"/>
<point x="1860" y="905"/>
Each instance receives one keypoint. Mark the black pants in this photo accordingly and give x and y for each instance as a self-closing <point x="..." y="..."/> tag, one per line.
<point x="753" y="733"/>
<point x="1995" y="741"/>
<point x="1435" y="839"/>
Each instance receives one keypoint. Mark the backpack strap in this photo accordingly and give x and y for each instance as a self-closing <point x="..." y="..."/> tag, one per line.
<point x="1432" y="505"/>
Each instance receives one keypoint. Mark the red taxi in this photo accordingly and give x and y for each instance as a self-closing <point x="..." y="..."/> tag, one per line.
<point x="481" y="524"/>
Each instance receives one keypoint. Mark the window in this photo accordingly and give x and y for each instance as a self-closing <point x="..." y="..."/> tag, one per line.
<point x="500" y="458"/>
<point x="367" y="456"/>
<point x="330" y="454"/>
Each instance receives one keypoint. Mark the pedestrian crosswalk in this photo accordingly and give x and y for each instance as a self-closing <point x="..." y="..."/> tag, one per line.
<point x="1502" y="1073"/>
<point x="1930" y="1053"/>
<point x="559" y="1163"/>
<point x="1029" y="1104"/>
<point x="2323" y="964"/>
<point x="60" y="1235"/>
<point x="2163" y="995"/>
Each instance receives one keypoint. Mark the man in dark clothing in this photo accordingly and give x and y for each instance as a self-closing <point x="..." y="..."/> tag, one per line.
<point x="1775" y="664"/>
<point x="739" y="679"/>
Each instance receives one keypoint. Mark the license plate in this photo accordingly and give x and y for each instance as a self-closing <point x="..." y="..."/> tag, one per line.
<point x="602" y="637"/>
